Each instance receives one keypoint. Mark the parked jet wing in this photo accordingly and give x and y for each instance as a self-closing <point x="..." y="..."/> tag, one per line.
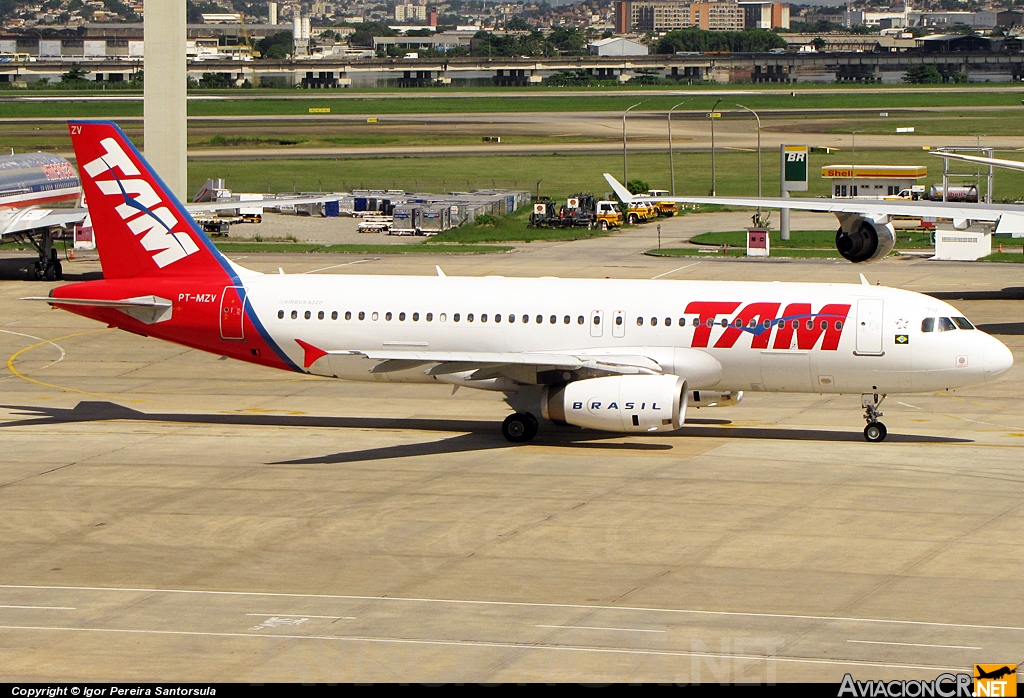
<point x="997" y="162"/>
<point x="1009" y="218"/>
<point x="23" y="220"/>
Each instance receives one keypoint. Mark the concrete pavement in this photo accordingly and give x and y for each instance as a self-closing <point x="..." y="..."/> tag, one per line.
<point x="165" y="515"/>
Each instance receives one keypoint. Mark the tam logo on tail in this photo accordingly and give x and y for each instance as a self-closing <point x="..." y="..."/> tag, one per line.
<point x="143" y="210"/>
<point x="141" y="228"/>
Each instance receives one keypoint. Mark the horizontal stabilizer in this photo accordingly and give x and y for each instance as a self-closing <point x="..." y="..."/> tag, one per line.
<point x="147" y="309"/>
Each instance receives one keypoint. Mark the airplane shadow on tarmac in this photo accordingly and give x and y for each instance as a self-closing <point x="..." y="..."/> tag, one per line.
<point x="1009" y="293"/>
<point x="475" y="435"/>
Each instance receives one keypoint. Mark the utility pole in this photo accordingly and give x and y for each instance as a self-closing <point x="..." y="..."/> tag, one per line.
<point x="625" y="170"/>
<point x="671" y="164"/>
<point x="758" y="156"/>
<point x="713" y="115"/>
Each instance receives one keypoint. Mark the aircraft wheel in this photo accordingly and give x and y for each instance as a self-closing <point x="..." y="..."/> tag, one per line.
<point x="519" y="428"/>
<point x="58" y="271"/>
<point x="51" y="273"/>
<point x="875" y="432"/>
<point x="33" y="272"/>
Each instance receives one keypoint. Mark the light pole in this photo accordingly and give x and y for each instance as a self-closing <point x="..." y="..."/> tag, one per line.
<point x="671" y="164"/>
<point x="711" y="115"/>
<point x="853" y="161"/>
<point x="625" y="171"/>
<point x="758" y="156"/>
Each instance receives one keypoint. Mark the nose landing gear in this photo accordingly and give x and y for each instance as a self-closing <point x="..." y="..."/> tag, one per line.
<point x="520" y="427"/>
<point x="875" y="431"/>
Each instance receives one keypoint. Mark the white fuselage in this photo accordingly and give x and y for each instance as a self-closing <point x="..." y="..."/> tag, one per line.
<point x="820" y="338"/>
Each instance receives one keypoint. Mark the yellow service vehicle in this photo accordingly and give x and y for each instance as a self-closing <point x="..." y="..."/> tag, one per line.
<point x="640" y="211"/>
<point x="664" y="208"/>
<point x="607" y="214"/>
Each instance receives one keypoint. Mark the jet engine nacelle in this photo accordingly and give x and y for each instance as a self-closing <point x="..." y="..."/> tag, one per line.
<point x="619" y="403"/>
<point x="863" y="239"/>
<point x="708" y="398"/>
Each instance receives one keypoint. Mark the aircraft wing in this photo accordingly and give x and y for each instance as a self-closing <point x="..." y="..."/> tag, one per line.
<point x="459" y="362"/>
<point x="1009" y="164"/>
<point x="449" y="362"/>
<point x="1009" y="218"/>
<point x="23" y="220"/>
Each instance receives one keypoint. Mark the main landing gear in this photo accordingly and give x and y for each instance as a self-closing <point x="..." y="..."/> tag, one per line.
<point x="875" y="431"/>
<point x="520" y="427"/>
<point x="48" y="267"/>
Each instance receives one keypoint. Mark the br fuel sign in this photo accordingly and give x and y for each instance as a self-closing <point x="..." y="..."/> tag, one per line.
<point x="794" y="168"/>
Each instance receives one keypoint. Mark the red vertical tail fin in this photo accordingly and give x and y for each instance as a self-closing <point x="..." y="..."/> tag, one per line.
<point x="141" y="228"/>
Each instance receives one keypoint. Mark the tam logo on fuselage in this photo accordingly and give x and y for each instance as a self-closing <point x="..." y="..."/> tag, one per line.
<point x="143" y="211"/>
<point x="796" y="328"/>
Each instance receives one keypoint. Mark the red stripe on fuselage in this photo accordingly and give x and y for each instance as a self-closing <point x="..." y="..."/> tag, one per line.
<point x="16" y="202"/>
<point x="195" y="317"/>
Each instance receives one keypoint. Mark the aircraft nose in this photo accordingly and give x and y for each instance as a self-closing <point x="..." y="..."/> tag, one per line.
<point x="998" y="358"/>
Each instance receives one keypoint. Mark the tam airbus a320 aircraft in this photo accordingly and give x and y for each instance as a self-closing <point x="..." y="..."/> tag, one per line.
<point x="612" y="355"/>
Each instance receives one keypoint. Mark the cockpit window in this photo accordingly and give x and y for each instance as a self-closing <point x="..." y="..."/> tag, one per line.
<point x="945" y="324"/>
<point x="928" y="324"/>
<point x="963" y="323"/>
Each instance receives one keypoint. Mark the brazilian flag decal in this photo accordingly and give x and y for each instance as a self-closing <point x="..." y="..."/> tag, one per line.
<point x="902" y="339"/>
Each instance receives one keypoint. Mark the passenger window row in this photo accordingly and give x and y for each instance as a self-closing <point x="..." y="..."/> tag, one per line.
<point x="724" y="322"/>
<point x="442" y="317"/>
<point x="566" y="320"/>
<point x="945" y="324"/>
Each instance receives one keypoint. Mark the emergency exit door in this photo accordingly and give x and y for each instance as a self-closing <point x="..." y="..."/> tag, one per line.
<point x="596" y="323"/>
<point x="869" y="326"/>
<point x="619" y="324"/>
<point x="232" y="313"/>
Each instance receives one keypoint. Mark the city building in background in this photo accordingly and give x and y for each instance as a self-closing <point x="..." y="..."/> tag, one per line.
<point x="639" y="16"/>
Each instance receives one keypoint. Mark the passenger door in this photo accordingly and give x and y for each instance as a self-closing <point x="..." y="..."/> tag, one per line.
<point x="869" y="326"/>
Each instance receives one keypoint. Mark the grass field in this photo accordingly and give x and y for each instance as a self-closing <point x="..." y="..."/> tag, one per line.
<point x="557" y="176"/>
<point x="1001" y="123"/>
